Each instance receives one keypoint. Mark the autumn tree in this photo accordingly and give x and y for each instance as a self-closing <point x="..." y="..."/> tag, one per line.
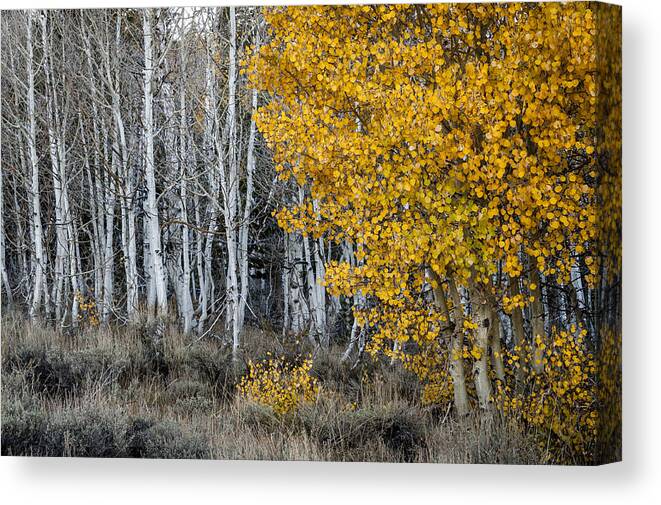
<point x="457" y="148"/>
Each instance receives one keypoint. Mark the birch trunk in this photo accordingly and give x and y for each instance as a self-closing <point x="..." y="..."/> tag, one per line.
<point x="211" y="143"/>
<point x="316" y="291"/>
<point x="108" y="256"/>
<point x="286" y="290"/>
<point x="244" y="227"/>
<point x="349" y="257"/>
<point x="314" y="332"/>
<point x="127" y="176"/>
<point x="56" y="173"/>
<point x="66" y="258"/>
<point x="519" y="337"/>
<point x="456" y="352"/>
<point x="537" y="322"/>
<point x="496" y="346"/>
<point x="481" y="364"/>
<point x="3" y="265"/>
<point x="577" y="300"/>
<point x="320" y="291"/>
<point x="186" y="303"/>
<point x="299" y="319"/>
<point x="22" y="241"/>
<point x="230" y="189"/>
<point x="40" y="283"/>
<point x="151" y="209"/>
<point x="96" y="186"/>
<point x="201" y="272"/>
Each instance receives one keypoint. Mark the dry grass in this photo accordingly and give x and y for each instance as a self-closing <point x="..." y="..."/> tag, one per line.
<point x="110" y="392"/>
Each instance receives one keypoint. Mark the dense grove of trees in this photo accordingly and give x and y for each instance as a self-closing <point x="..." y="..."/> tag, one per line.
<point x="133" y="176"/>
<point x="438" y="185"/>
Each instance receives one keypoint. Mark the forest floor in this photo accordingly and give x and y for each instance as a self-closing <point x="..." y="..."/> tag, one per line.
<point x="114" y="392"/>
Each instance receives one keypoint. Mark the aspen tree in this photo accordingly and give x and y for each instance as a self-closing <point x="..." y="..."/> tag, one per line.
<point x="151" y="208"/>
<point x="474" y="149"/>
<point x="40" y="282"/>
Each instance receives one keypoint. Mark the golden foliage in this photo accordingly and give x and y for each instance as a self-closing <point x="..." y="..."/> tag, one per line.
<point x="478" y="143"/>
<point x="428" y="142"/>
<point x="87" y="310"/>
<point x="279" y="385"/>
<point x="561" y="402"/>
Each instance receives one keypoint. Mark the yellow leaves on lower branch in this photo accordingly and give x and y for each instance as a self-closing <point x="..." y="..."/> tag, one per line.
<point x="470" y="325"/>
<point x="562" y="401"/>
<point x="87" y="310"/>
<point x="575" y="395"/>
<point x="474" y="352"/>
<point x="280" y="385"/>
<point x="609" y="390"/>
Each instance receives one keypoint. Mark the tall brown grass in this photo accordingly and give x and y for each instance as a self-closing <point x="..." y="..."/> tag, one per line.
<point x="108" y="392"/>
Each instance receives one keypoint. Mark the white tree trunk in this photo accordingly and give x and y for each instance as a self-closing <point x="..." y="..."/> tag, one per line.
<point x="186" y="303"/>
<point x="456" y="347"/>
<point x="295" y="268"/>
<point x="314" y="333"/>
<point x="108" y="255"/>
<point x="127" y="209"/>
<point x="349" y="257"/>
<point x="56" y="172"/>
<point x="320" y="293"/>
<point x="151" y="208"/>
<point x="96" y="187"/>
<point x="230" y="189"/>
<point x="40" y="284"/>
<point x="482" y="317"/>
<point x="315" y="272"/>
<point x="66" y="268"/>
<point x="96" y="234"/>
<point x="244" y="227"/>
<point x="211" y="143"/>
<point x="3" y="266"/>
<point x="286" y="290"/>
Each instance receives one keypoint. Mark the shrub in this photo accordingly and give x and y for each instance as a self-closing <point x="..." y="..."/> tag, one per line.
<point x="337" y="376"/>
<point x="215" y="368"/>
<point x="153" y="349"/>
<point x="256" y="418"/>
<point x="350" y="433"/>
<point x="188" y="396"/>
<point x="479" y="439"/>
<point x="87" y="433"/>
<point x="189" y="405"/>
<point x="54" y="373"/>
<point x="278" y="384"/>
<point x="51" y="373"/>
<point x="164" y="440"/>
<point x="92" y="432"/>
